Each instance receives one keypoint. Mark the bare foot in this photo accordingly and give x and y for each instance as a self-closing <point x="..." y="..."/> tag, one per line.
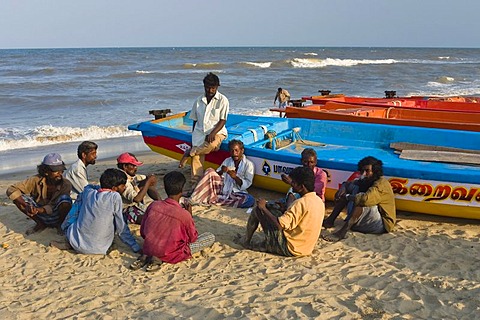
<point x="36" y="228"/>
<point x="328" y="223"/>
<point x="61" y="245"/>
<point x="333" y="237"/>
<point x="183" y="161"/>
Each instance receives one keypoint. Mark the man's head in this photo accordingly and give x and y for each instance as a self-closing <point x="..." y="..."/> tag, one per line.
<point x="302" y="177"/>
<point x="236" y="149"/>
<point x="309" y="158"/>
<point x="113" y="179"/>
<point x="371" y="168"/>
<point x="87" y="152"/>
<point x="211" y="84"/>
<point x="128" y="163"/>
<point x="174" y="182"/>
<point x="52" y="168"/>
<point x="279" y="89"/>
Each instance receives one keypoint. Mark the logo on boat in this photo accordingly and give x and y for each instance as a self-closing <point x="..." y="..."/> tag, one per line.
<point x="266" y="168"/>
<point x="434" y="193"/>
<point x="281" y="169"/>
<point x="183" y="146"/>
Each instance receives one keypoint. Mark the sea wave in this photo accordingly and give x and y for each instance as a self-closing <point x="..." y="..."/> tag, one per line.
<point x="204" y="65"/>
<point x="310" y="54"/>
<point x="48" y="135"/>
<point x="258" y="64"/>
<point x="321" y="63"/>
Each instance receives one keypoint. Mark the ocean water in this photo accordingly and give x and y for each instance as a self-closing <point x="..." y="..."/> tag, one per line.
<point x="52" y="99"/>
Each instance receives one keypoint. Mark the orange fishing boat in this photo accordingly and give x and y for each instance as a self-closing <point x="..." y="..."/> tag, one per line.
<point x="457" y="104"/>
<point x="388" y="115"/>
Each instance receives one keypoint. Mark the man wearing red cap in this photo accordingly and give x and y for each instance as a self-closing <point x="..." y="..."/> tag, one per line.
<point x="140" y="190"/>
<point x="44" y="197"/>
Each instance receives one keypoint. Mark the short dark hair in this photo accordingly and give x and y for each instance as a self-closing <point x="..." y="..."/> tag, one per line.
<point x="211" y="80"/>
<point x="377" y="166"/>
<point x="112" y="178"/>
<point x="86" y="147"/>
<point x="305" y="176"/>
<point x="309" y="152"/>
<point x="234" y="142"/>
<point x="174" y="182"/>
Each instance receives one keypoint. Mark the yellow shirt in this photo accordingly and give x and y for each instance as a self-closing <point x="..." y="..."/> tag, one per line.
<point x="302" y="223"/>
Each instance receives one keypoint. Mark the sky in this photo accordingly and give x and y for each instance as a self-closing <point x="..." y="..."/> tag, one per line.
<point x="215" y="23"/>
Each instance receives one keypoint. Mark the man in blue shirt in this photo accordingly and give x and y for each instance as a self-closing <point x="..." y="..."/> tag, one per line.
<point x="100" y="216"/>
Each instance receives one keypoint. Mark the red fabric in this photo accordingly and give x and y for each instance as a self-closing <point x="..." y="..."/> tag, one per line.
<point x="168" y="229"/>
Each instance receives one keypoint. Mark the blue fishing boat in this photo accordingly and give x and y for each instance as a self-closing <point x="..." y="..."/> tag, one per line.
<point x="432" y="171"/>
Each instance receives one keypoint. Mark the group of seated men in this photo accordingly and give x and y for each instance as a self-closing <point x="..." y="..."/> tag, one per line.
<point x="291" y="225"/>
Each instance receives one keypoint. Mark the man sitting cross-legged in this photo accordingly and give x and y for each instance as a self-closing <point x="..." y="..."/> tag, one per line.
<point x="169" y="230"/>
<point x="295" y="231"/>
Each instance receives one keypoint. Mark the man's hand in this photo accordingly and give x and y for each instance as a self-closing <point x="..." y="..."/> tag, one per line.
<point x="286" y="178"/>
<point x="210" y="138"/>
<point x="151" y="180"/>
<point x="262" y="204"/>
<point x="232" y="173"/>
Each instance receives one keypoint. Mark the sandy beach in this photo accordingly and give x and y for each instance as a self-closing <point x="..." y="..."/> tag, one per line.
<point x="428" y="268"/>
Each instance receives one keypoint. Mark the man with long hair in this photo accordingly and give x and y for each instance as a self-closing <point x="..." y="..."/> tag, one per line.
<point x="373" y="206"/>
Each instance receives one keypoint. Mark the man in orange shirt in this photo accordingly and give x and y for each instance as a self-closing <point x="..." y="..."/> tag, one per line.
<point x="295" y="231"/>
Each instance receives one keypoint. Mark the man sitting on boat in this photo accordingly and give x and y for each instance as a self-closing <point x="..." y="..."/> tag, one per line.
<point x="229" y="183"/>
<point x="295" y="231"/>
<point x="209" y="114"/>
<point x="140" y="190"/>
<point x="374" y="209"/>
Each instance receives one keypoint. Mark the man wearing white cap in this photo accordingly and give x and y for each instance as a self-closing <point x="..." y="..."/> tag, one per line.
<point x="44" y="197"/>
<point x="140" y="190"/>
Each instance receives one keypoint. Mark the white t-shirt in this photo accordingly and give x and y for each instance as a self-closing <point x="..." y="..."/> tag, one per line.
<point x="207" y="116"/>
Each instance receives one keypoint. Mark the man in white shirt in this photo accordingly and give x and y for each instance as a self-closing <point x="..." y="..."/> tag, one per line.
<point x="229" y="183"/>
<point x="209" y="114"/>
<point x="77" y="173"/>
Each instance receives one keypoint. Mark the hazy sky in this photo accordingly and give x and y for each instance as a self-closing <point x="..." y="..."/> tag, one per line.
<point x="175" y="23"/>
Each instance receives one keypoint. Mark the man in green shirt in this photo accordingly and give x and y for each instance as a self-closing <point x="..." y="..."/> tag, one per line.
<point x="374" y="210"/>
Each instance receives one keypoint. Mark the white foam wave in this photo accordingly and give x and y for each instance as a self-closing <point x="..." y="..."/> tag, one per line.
<point x="48" y="135"/>
<point x="143" y="72"/>
<point x="310" y="54"/>
<point x="321" y="63"/>
<point x="443" y="58"/>
<point x="204" y="65"/>
<point x="259" y="64"/>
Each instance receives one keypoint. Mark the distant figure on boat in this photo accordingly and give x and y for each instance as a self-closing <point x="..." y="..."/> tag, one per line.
<point x="283" y="96"/>
<point x="373" y="203"/>
<point x="229" y="183"/>
<point x="293" y="232"/>
<point x="209" y="114"/>
<point x="140" y="190"/>
<point x="77" y="173"/>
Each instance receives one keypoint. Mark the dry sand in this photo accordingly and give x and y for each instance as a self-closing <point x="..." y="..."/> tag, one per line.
<point x="429" y="268"/>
